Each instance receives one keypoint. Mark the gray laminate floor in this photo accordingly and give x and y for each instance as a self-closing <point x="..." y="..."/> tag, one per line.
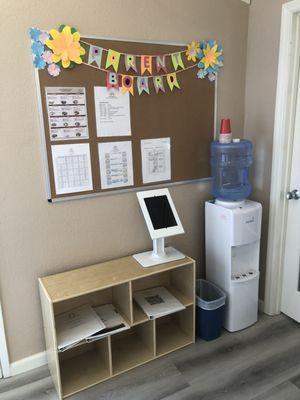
<point x="259" y="363"/>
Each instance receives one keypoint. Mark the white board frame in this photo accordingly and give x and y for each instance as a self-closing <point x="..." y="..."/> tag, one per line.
<point x="116" y="191"/>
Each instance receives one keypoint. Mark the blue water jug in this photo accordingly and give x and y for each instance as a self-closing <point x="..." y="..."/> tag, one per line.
<point x="230" y="164"/>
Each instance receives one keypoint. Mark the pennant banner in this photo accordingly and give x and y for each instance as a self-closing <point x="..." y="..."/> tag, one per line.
<point x="95" y="54"/>
<point x="130" y="62"/>
<point x="158" y="84"/>
<point x="142" y="84"/>
<point x="146" y="64"/>
<point x="127" y="84"/>
<point x="172" y="81"/>
<point x="177" y="61"/>
<point x="64" y="48"/>
<point x="113" y="58"/>
<point x="112" y="81"/>
<point x="160" y="63"/>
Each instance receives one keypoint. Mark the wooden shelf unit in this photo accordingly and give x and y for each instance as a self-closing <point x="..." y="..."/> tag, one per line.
<point x="115" y="282"/>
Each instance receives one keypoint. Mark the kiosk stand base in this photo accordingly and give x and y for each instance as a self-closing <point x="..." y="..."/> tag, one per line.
<point x="159" y="254"/>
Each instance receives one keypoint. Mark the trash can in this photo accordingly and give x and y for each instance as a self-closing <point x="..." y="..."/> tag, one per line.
<point x="210" y="308"/>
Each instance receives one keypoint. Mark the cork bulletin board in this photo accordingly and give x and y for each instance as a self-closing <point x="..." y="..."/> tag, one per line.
<point x="185" y="115"/>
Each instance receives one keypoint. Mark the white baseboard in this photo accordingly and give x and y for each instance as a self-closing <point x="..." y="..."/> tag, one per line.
<point x="28" y="363"/>
<point x="261" y="305"/>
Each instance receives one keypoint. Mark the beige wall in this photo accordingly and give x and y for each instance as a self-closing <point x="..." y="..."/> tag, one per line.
<point x="38" y="238"/>
<point x="261" y="79"/>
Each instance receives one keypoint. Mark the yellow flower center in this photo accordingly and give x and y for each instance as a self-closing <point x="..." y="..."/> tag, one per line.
<point x="210" y="57"/>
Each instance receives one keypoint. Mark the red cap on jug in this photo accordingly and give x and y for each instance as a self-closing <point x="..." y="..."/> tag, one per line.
<point x="225" y="126"/>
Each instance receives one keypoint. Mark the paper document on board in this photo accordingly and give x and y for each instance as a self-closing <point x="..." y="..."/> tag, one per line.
<point x="72" y="168"/>
<point x="112" y="321"/>
<point x="67" y="114"/>
<point x="156" y="160"/>
<point x="115" y="164"/>
<point x="112" y="109"/>
<point x="156" y="302"/>
<point x="75" y="325"/>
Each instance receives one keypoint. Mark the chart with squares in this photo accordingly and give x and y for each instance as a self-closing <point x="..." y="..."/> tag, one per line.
<point x="157" y="161"/>
<point x="72" y="171"/>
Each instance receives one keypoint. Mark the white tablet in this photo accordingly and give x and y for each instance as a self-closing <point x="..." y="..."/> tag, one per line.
<point x="160" y="214"/>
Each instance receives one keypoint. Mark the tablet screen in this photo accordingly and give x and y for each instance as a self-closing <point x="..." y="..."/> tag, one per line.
<point x="160" y="212"/>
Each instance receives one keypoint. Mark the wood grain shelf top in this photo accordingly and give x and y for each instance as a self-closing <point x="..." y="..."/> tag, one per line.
<point x="69" y="284"/>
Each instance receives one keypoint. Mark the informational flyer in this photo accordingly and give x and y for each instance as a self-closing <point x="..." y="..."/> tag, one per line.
<point x="67" y="114"/>
<point x="112" y="111"/>
<point x="156" y="160"/>
<point x="72" y="168"/>
<point x="115" y="164"/>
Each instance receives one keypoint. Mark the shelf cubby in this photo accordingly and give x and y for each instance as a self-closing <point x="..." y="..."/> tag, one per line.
<point x="174" y="331"/>
<point x="133" y="347"/>
<point x="84" y="366"/>
<point x="115" y="282"/>
<point x="119" y="296"/>
<point x="179" y="282"/>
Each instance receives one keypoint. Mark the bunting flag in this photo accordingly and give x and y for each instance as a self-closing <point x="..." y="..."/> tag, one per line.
<point x="146" y="64"/>
<point x="112" y="80"/>
<point x="158" y="84"/>
<point x="127" y="84"/>
<point x="172" y="81"/>
<point x="177" y="61"/>
<point x="64" y="48"/>
<point x="160" y="62"/>
<point x="130" y="62"/>
<point x="95" y="54"/>
<point x="142" y="84"/>
<point x="113" y="58"/>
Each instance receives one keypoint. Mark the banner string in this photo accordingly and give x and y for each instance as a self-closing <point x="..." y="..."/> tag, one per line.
<point x="137" y="76"/>
<point x="135" y="55"/>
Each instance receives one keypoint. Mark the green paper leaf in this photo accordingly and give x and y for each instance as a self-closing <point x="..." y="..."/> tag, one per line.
<point x="61" y="27"/>
<point x="73" y="30"/>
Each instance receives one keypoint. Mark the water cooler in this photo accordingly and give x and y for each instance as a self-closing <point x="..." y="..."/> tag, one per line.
<point x="232" y="233"/>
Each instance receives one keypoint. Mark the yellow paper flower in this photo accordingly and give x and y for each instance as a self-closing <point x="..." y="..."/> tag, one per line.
<point x="65" y="46"/>
<point x="192" y="51"/>
<point x="210" y="56"/>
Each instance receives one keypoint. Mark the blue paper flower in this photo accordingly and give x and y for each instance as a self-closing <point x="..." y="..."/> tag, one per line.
<point x="200" y="65"/>
<point x="37" y="48"/>
<point x="211" y="58"/>
<point x="43" y="37"/>
<point x="201" y="73"/>
<point x="39" y="62"/>
<point x="34" y="34"/>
